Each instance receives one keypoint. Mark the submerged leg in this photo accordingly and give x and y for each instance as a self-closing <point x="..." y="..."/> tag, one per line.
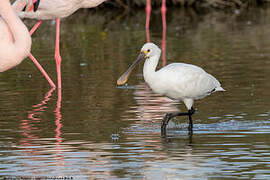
<point x="169" y="116"/>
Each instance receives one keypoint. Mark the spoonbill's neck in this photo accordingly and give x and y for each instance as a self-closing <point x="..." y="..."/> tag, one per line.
<point x="149" y="67"/>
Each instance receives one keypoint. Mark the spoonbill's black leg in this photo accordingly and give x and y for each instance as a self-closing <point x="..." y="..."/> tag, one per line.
<point x="169" y="116"/>
<point x="190" y="112"/>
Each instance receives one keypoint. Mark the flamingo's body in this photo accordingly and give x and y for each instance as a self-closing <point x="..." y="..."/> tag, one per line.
<point x="179" y="81"/>
<point x="15" y="40"/>
<point x="52" y="9"/>
<point x="56" y="9"/>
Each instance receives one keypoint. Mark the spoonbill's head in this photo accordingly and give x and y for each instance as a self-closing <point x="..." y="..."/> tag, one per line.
<point x="148" y="50"/>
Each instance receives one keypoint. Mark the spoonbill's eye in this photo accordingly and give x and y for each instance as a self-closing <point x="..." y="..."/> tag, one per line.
<point x="148" y="50"/>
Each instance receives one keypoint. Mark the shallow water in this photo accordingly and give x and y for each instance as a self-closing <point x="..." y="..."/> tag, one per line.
<point x="92" y="129"/>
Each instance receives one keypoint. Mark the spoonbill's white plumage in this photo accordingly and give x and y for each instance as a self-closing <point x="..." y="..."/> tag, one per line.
<point x="179" y="81"/>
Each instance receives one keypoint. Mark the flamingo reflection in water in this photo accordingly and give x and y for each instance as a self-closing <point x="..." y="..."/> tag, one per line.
<point x="56" y="9"/>
<point x="28" y="128"/>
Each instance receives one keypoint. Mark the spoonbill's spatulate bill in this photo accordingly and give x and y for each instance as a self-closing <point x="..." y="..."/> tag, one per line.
<point x="180" y="81"/>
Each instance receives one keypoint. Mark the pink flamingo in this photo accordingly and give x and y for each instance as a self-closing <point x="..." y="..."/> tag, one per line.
<point x="56" y="9"/>
<point x="15" y="41"/>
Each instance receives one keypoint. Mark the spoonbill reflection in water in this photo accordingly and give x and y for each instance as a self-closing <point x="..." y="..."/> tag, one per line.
<point x="179" y="81"/>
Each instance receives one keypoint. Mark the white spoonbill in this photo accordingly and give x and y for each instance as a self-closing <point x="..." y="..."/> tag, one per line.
<point x="56" y="9"/>
<point x="15" y="40"/>
<point x="179" y="81"/>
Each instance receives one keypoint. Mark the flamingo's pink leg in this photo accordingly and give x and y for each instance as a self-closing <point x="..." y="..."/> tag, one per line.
<point x="36" y="62"/>
<point x="147" y="22"/>
<point x="34" y="28"/>
<point x="148" y="12"/>
<point x="41" y="70"/>
<point x="163" y="13"/>
<point x="57" y="55"/>
<point x="163" y="44"/>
